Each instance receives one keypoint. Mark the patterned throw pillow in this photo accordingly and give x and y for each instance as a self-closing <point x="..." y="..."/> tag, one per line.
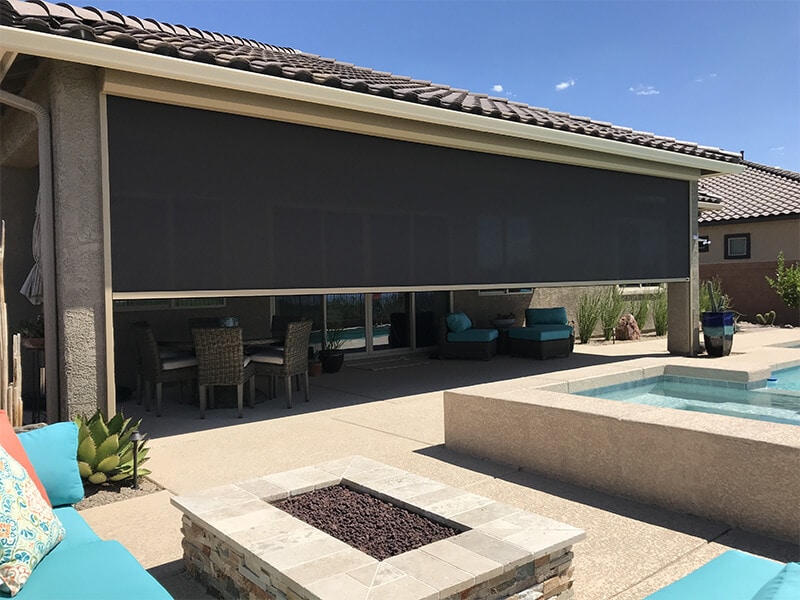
<point x="28" y="527"/>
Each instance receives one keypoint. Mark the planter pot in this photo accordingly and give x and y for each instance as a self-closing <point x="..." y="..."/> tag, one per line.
<point x="503" y="323"/>
<point x="314" y="368"/>
<point x="332" y="360"/>
<point x="718" y="332"/>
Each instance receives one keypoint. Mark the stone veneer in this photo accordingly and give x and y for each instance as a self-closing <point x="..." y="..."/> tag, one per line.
<point x="241" y="546"/>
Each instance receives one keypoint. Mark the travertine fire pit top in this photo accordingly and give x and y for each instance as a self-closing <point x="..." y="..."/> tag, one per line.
<point x="497" y="538"/>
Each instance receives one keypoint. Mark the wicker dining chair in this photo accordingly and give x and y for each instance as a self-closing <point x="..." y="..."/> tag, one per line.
<point x="221" y="361"/>
<point x="293" y="361"/>
<point x="155" y="369"/>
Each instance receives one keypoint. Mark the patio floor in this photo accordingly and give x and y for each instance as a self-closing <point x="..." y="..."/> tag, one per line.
<point x="392" y="412"/>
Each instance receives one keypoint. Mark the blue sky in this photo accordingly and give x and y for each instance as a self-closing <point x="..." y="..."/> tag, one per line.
<point x="717" y="72"/>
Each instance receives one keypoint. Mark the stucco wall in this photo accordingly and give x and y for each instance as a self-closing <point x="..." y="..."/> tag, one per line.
<point x="80" y="281"/>
<point x="744" y="279"/>
<point x="483" y="308"/>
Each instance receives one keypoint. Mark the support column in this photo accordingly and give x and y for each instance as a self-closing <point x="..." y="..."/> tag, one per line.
<point x="683" y="298"/>
<point x="79" y="250"/>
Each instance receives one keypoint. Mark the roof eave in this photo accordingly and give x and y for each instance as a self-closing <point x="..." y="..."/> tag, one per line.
<point x="135" y="61"/>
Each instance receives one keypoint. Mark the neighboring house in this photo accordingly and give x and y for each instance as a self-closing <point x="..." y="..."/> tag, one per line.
<point x="191" y="167"/>
<point x="755" y="215"/>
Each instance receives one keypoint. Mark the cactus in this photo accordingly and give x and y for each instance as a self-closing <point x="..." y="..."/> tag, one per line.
<point x="105" y="449"/>
<point x="768" y="318"/>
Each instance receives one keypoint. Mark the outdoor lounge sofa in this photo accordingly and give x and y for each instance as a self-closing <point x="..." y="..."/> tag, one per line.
<point x="459" y="339"/>
<point x="81" y="565"/>
<point x="735" y="575"/>
<point x="546" y="334"/>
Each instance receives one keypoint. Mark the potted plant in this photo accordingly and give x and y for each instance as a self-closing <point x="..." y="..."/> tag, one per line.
<point x="314" y="363"/>
<point x="332" y="355"/>
<point x="718" y="323"/>
<point x="32" y="332"/>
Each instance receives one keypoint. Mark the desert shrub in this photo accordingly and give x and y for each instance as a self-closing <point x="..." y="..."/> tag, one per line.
<point x="588" y="314"/>
<point x="787" y="282"/>
<point x="660" y="313"/>
<point x="640" y="309"/>
<point x="611" y="307"/>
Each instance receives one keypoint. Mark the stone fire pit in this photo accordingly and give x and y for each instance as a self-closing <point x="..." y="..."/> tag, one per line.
<point x="239" y="545"/>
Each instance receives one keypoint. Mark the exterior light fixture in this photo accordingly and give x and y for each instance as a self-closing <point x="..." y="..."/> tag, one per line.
<point x="136" y="437"/>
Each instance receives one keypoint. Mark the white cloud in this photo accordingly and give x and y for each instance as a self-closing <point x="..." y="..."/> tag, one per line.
<point x="702" y="78"/>
<point x="497" y="88"/>
<point x="644" y="90"/>
<point x="560" y="87"/>
<point x="778" y="149"/>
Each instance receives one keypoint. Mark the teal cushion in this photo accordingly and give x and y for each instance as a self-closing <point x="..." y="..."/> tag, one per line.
<point x="541" y="333"/>
<point x="77" y="530"/>
<point x="546" y="316"/>
<point x="458" y="322"/>
<point x="53" y="451"/>
<point x="733" y="575"/>
<point x="784" y="586"/>
<point x="97" y="570"/>
<point x="473" y="335"/>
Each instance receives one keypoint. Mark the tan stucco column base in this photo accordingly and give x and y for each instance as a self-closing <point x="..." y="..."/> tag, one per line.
<point x="683" y="335"/>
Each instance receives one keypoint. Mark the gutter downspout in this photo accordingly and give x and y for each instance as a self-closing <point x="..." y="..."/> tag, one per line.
<point x="52" y="391"/>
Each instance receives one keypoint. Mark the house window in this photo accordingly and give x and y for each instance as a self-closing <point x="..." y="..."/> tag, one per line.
<point x="737" y="245"/>
<point x="703" y="243"/>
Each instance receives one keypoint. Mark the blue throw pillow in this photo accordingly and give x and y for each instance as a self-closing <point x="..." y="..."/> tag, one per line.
<point x="784" y="586"/>
<point x="458" y="322"/>
<point x="53" y="452"/>
<point x="546" y="316"/>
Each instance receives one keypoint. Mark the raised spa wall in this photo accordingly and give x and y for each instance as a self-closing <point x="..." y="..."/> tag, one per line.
<point x="741" y="472"/>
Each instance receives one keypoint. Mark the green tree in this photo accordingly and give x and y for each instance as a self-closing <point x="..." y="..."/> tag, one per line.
<point x="786" y="282"/>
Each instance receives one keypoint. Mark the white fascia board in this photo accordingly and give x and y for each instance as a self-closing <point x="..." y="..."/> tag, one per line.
<point x="136" y="61"/>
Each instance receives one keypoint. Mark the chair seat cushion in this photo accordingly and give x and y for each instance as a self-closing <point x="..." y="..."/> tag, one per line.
<point x="268" y="356"/>
<point x="541" y="333"/>
<point x="115" y="573"/>
<point x="179" y="362"/>
<point x="473" y="335"/>
<point x="77" y="530"/>
<point x="733" y="575"/>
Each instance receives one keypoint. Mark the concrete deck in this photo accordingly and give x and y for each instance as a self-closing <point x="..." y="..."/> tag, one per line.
<point x="395" y="416"/>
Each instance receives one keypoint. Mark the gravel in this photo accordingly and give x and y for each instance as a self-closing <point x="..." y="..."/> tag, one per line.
<point x="99" y="495"/>
<point x="369" y="524"/>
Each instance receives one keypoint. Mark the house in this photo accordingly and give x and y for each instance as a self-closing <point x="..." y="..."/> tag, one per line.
<point x="180" y="168"/>
<point x="754" y="215"/>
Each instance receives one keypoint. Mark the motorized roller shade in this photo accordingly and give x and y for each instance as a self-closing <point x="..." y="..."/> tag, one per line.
<point x="202" y="200"/>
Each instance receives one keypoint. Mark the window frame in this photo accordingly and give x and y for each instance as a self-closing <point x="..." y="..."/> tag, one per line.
<point x="734" y="236"/>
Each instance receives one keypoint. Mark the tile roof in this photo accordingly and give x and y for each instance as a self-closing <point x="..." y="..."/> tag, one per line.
<point x="188" y="43"/>
<point x="758" y="191"/>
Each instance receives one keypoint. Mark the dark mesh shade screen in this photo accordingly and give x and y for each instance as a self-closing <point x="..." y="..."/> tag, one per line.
<point x="209" y="201"/>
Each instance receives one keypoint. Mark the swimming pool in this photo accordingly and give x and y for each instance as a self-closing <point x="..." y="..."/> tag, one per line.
<point x="785" y="379"/>
<point x="708" y="396"/>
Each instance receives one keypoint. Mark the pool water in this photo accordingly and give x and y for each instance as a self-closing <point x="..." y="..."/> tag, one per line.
<point x="785" y="379"/>
<point x="699" y="395"/>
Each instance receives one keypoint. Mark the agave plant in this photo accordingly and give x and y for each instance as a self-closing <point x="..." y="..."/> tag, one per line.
<point x="105" y="449"/>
